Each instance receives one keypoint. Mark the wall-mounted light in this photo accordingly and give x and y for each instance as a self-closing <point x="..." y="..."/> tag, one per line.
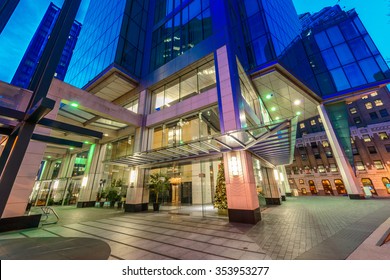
<point x="132" y="177"/>
<point x="276" y="175"/>
<point x="234" y="166"/>
<point x="55" y="184"/>
<point x="84" y="181"/>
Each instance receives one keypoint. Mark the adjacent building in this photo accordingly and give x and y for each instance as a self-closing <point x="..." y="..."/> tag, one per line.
<point x="199" y="90"/>
<point x="314" y="170"/>
<point x="28" y="64"/>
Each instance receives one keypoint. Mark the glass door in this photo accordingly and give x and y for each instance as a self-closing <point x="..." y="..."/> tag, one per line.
<point x="72" y="192"/>
<point x="43" y="193"/>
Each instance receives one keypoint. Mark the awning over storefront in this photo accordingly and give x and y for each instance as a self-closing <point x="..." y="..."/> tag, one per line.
<point x="273" y="142"/>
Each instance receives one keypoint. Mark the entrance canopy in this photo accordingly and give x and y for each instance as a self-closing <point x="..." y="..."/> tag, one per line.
<point x="273" y="142"/>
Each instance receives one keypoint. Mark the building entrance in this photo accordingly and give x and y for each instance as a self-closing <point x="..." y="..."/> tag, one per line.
<point x="191" y="188"/>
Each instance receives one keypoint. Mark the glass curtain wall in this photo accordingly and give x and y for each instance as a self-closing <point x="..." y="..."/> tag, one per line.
<point x="192" y="83"/>
<point x="178" y="29"/>
<point x="344" y="56"/>
<point x="191" y="187"/>
<point x="186" y="129"/>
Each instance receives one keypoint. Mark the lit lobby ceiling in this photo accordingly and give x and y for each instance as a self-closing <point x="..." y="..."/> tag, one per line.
<point x="283" y="96"/>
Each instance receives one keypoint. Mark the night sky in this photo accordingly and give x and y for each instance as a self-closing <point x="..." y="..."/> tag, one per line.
<point x="25" y="20"/>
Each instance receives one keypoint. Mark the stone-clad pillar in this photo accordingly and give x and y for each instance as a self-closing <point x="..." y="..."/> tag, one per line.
<point x="137" y="197"/>
<point x="242" y="200"/>
<point x="243" y="203"/>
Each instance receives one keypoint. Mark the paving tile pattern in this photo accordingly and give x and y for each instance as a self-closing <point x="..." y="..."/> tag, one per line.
<point x="318" y="227"/>
<point x="301" y="228"/>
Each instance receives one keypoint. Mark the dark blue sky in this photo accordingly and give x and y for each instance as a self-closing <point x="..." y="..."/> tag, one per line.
<point x="25" y="20"/>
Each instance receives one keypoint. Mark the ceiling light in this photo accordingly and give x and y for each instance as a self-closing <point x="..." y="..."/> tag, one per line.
<point x="297" y="102"/>
<point x="273" y="109"/>
<point x="299" y="113"/>
<point x="277" y="118"/>
<point x="74" y="104"/>
<point x="268" y="96"/>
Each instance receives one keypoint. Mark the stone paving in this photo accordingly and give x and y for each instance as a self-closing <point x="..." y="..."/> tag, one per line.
<point x="301" y="228"/>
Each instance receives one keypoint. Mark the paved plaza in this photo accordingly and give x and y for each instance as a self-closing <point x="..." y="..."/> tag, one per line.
<point x="301" y="228"/>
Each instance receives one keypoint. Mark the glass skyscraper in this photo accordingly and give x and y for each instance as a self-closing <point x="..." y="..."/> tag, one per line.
<point x="203" y="91"/>
<point x="35" y="49"/>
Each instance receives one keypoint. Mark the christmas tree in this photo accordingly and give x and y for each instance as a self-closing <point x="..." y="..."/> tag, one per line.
<point x="220" y="200"/>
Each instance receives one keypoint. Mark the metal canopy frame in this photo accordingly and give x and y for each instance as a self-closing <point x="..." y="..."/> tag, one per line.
<point x="273" y="142"/>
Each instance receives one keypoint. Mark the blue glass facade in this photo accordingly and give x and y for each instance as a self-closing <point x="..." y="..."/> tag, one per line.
<point x="98" y="41"/>
<point x="34" y="51"/>
<point x="178" y="27"/>
<point x="114" y="34"/>
<point x="342" y="54"/>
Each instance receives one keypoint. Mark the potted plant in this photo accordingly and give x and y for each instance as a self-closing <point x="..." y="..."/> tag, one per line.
<point x="159" y="183"/>
<point x="113" y="192"/>
<point x="102" y="198"/>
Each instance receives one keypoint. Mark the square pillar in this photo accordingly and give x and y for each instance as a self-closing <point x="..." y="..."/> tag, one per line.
<point x="242" y="200"/>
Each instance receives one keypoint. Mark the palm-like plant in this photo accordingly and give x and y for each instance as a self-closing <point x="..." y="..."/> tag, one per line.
<point x="159" y="182"/>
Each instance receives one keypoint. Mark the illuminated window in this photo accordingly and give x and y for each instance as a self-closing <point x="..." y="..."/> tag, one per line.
<point x="313" y="122"/>
<point x="366" y="138"/>
<point x="374" y="94"/>
<point x="383" y="135"/>
<point x="365" y="97"/>
<point x="378" y="102"/>
<point x="378" y="164"/>
<point x="319" y="120"/>
<point x="325" y="144"/>
<point x="302" y="125"/>
<point x="352" y="141"/>
<point x="333" y="167"/>
<point x="307" y="169"/>
<point x="360" y="166"/>
<point x="353" y="110"/>
<point x="321" y="169"/>
<point x="368" y="105"/>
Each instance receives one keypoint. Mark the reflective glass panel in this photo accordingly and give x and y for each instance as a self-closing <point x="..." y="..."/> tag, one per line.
<point x="344" y="54"/>
<point x="339" y="79"/>
<point x="335" y="35"/>
<point x="349" y="30"/>
<point x="330" y="58"/>
<point x="322" y="40"/>
<point x="359" y="48"/>
<point x="354" y="75"/>
<point x="371" y="70"/>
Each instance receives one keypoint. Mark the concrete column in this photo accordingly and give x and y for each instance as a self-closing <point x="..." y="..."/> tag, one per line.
<point x="350" y="181"/>
<point x="25" y="179"/>
<point x="137" y="197"/>
<point x="65" y="166"/>
<point x="284" y="181"/>
<point x="243" y="204"/>
<point x="271" y="192"/>
<point x="89" y="183"/>
<point x="231" y="107"/>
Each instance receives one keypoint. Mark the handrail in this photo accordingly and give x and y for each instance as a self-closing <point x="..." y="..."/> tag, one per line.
<point x="46" y="211"/>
